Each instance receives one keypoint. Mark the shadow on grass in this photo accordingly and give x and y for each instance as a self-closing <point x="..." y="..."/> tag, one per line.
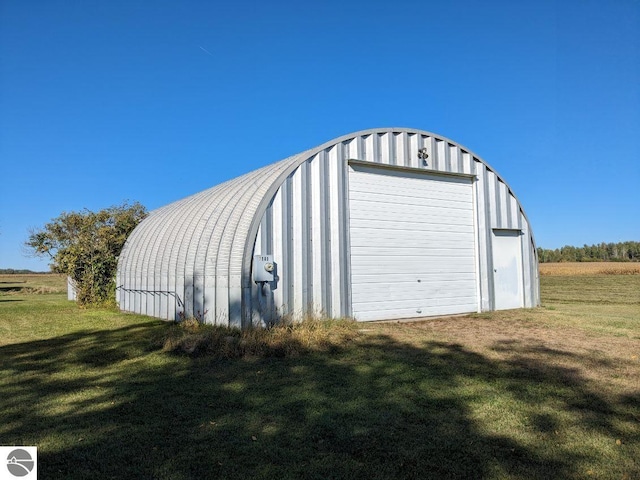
<point x="102" y="404"/>
<point x="11" y="289"/>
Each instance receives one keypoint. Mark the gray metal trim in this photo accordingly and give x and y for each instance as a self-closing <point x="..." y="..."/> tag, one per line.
<point x="325" y="222"/>
<point x="348" y="297"/>
<point x="287" y="267"/>
<point x="393" y="154"/>
<point x="489" y="240"/>
<point x="305" y="208"/>
<point x="519" y="230"/>
<point x="398" y="168"/>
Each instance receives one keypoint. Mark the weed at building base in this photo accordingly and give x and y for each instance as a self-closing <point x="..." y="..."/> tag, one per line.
<point x="194" y="338"/>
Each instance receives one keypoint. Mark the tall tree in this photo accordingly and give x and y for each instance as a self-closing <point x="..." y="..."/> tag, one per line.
<point x="85" y="246"/>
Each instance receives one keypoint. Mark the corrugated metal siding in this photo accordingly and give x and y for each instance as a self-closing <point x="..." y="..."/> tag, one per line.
<point x="327" y="251"/>
<point x="306" y="222"/>
<point x="193" y="257"/>
<point x="186" y="259"/>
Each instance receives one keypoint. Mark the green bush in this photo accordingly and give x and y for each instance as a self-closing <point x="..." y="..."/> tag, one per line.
<point x="85" y="246"/>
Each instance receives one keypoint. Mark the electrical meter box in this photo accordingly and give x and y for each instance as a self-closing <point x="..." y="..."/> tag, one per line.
<point x="264" y="268"/>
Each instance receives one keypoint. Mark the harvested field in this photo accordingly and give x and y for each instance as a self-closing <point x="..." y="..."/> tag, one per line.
<point x="590" y="268"/>
<point x="33" y="283"/>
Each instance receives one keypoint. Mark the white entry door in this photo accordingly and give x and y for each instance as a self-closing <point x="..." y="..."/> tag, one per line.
<point x="412" y="244"/>
<point x="507" y="269"/>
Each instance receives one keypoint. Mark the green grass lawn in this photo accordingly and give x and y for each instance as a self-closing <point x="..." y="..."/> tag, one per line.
<point x="552" y="392"/>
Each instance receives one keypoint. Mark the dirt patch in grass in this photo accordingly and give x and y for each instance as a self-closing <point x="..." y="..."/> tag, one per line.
<point x="588" y="327"/>
<point x="531" y="337"/>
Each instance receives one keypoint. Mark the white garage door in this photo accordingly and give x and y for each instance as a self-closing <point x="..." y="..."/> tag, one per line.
<point x="412" y="244"/>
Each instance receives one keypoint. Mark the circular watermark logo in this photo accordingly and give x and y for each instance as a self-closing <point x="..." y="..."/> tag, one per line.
<point x="19" y="462"/>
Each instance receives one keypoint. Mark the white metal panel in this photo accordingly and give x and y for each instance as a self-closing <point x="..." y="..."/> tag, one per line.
<point x="413" y="160"/>
<point x="401" y="148"/>
<point x="385" y="149"/>
<point x="298" y="216"/>
<point x="278" y="251"/>
<point x="483" y="226"/>
<point x="467" y="163"/>
<point x="71" y="289"/>
<point x="503" y="206"/>
<point x="316" y="276"/>
<point x="335" y="169"/>
<point x="412" y="244"/>
<point x="507" y="269"/>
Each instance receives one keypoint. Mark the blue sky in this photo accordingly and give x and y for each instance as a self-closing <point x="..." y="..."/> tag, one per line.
<point x="102" y="102"/>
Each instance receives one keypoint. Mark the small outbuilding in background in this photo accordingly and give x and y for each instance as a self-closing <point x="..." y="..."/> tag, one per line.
<point x="379" y="224"/>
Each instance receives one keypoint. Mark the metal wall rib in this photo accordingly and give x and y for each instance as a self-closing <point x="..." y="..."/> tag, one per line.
<point x="193" y="257"/>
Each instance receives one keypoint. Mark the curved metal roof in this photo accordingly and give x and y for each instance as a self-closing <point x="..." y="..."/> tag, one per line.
<point x="204" y="233"/>
<point x="212" y="233"/>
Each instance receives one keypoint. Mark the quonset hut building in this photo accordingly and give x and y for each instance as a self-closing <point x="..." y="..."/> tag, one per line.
<point x="379" y="224"/>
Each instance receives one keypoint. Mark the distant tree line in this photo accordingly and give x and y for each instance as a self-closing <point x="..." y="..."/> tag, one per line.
<point x="603" y="252"/>
<point x="13" y="271"/>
